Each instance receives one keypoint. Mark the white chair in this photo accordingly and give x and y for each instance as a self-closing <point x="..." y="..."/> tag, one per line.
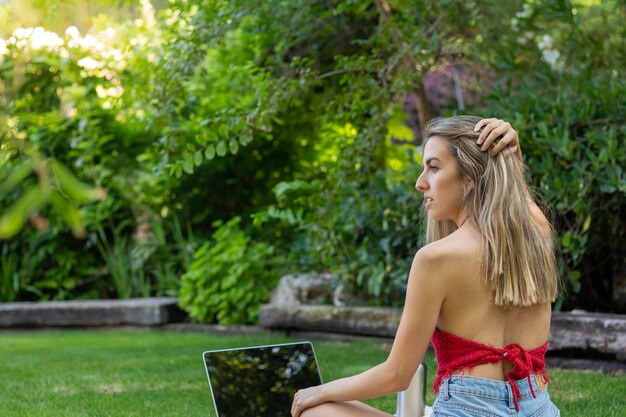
<point x="411" y="402"/>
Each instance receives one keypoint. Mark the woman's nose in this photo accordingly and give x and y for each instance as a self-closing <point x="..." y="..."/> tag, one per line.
<point x="420" y="184"/>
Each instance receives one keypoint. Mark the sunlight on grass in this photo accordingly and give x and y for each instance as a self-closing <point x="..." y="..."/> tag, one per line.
<point x="154" y="373"/>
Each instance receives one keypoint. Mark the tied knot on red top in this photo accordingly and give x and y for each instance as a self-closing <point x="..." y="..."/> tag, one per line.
<point x="454" y="354"/>
<point x="522" y="363"/>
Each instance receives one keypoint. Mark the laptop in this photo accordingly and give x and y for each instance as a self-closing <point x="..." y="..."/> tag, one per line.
<point x="260" y="381"/>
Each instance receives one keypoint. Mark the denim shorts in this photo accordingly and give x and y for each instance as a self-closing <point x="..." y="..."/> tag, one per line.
<point x="468" y="396"/>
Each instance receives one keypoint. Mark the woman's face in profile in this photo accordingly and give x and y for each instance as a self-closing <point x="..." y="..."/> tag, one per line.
<point x="440" y="182"/>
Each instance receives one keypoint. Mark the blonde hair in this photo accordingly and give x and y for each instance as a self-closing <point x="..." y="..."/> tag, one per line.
<point x="518" y="257"/>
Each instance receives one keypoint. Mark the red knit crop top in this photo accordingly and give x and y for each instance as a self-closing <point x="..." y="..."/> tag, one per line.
<point x="455" y="353"/>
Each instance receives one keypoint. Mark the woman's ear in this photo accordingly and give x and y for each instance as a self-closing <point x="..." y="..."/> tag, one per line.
<point x="469" y="186"/>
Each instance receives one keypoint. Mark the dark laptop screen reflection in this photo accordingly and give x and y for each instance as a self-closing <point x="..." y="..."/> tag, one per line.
<point x="260" y="382"/>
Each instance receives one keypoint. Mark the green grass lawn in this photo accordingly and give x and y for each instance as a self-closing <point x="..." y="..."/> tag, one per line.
<point x="152" y="373"/>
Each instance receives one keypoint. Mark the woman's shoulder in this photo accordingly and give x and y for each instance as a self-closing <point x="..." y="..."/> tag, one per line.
<point x="452" y="251"/>
<point x="464" y="241"/>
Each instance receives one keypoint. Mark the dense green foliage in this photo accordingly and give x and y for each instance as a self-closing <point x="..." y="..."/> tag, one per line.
<point x="62" y="96"/>
<point x="366" y="238"/>
<point x="229" y="278"/>
<point x="141" y="128"/>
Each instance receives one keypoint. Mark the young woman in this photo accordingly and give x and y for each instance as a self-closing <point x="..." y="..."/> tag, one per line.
<point x="480" y="289"/>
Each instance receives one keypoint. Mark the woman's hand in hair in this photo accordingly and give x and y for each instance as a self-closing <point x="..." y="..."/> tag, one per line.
<point x="493" y="129"/>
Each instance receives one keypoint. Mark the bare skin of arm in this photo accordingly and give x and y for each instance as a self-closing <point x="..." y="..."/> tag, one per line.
<point x="424" y="298"/>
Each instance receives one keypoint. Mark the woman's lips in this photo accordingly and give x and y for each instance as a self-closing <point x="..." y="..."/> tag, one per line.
<point x="427" y="202"/>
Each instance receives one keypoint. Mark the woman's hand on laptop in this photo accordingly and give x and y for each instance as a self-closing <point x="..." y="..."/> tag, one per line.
<point x="306" y="398"/>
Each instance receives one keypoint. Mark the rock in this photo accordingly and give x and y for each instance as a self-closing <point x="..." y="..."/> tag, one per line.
<point x="305" y="289"/>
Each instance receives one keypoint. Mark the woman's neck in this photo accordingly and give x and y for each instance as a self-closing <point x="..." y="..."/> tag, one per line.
<point x="461" y="219"/>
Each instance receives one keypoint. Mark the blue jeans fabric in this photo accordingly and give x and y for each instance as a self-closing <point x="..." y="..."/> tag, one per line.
<point x="468" y="396"/>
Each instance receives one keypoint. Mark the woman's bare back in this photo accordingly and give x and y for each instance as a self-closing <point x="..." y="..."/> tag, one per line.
<point x="469" y="312"/>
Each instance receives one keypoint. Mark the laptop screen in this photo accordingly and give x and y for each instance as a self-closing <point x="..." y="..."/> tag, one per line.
<point x="260" y="381"/>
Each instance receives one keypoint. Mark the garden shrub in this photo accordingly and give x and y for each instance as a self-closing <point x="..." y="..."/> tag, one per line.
<point x="72" y="116"/>
<point x="229" y="277"/>
<point x="367" y="234"/>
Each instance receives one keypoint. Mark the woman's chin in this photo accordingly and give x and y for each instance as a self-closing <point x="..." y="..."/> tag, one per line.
<point x="437" y="218"/>
<point x="434" y="218"/>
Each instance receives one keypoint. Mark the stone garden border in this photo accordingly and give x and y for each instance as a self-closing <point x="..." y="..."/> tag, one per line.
<point x="589" y="334"/>
<point x="576" y="334"/>
<point x="90" y="313"/>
